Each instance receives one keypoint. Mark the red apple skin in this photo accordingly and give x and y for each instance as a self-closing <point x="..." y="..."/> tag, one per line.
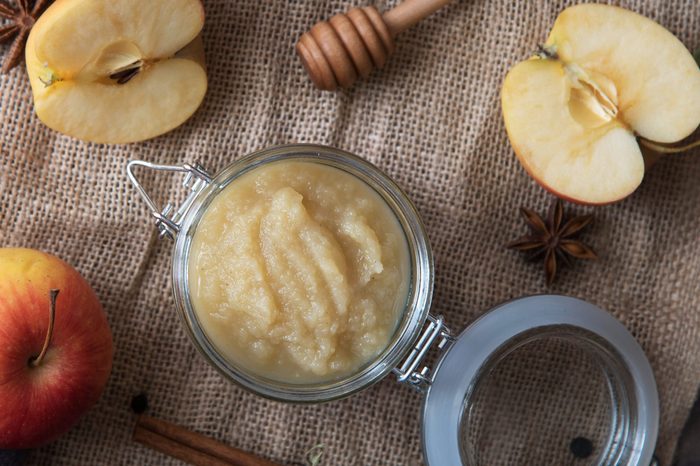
<point x="38" y="404"/>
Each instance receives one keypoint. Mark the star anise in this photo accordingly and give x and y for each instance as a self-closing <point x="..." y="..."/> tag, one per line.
<point x="19" y="21"/>
<point x="554" y="238"/>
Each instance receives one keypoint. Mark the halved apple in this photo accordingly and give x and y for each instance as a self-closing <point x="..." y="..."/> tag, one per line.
<point x="605" y="77"/>
<point x="117" y="71"/>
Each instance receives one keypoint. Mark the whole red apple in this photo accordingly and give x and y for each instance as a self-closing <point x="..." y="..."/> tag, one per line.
<point x="49" y="377"/>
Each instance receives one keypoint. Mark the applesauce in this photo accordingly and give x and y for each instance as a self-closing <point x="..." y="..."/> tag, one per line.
<point x="299" y="272"/>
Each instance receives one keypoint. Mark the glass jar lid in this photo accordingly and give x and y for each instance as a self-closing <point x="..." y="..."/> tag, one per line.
<point x="478" y="400"/>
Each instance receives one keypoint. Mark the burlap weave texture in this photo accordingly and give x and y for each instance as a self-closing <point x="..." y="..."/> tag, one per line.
<point x="431" y="119"/>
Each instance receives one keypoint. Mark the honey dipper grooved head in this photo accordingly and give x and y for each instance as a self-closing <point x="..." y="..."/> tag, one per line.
<point x="337" y="51"/>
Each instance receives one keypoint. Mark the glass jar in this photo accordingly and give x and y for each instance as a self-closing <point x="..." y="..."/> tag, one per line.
<point x="453" y="389"/>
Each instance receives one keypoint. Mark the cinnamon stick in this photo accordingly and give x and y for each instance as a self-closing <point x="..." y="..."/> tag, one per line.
<point x="176" y="450"/>
<point x="191" y="447"/>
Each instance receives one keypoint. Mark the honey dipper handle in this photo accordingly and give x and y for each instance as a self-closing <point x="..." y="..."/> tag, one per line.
<point x="409" y="12"/>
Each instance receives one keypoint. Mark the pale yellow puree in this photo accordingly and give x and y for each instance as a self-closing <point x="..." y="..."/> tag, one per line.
<point x="299" y="272"/>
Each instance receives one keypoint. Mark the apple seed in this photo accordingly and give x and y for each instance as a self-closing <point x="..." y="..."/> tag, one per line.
<point x="125" y="75"/>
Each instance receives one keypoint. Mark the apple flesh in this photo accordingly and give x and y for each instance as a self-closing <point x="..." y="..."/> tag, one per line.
<point x="39" y="402"/>
<point x="117" y="71"/>
<point x="606" y="76"/>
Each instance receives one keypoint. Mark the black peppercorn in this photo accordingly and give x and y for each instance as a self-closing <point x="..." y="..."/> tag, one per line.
<point x="139" y="403"/>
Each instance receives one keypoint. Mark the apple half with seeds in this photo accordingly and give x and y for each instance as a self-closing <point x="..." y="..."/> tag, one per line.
<point x="117" y="71"/>
<point x="606" y="80"/>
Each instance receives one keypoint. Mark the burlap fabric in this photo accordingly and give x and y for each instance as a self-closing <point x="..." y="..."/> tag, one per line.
<point x="432" y="121"/>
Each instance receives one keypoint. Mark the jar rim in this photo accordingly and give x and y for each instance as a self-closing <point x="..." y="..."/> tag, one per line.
<point x="509" y="326"/>
<point x="420" y="291"/>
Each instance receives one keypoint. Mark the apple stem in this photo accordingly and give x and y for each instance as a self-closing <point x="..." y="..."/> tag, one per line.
<point x="664" y="149"/>
<point x="53" y="294"/>
<point x="546" y="52"/>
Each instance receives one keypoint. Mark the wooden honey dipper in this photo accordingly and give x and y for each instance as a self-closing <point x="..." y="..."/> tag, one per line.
<point x="337" y="52"/>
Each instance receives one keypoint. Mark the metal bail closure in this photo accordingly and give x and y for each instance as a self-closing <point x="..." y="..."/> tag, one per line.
<point x="435" y="330"/>
<point x="195" y="180"/>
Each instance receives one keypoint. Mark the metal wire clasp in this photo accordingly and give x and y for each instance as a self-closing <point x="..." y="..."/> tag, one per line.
<point x="195" y="180"/>
<point x="435" y="330"/>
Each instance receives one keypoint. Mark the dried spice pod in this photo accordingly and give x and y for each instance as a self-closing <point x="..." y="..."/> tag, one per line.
<point x="20" y="20"/>
<point x="553" y="238"/>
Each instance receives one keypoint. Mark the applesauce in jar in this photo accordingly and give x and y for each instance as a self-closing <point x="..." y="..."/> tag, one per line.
<point x="299" y="272"/>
